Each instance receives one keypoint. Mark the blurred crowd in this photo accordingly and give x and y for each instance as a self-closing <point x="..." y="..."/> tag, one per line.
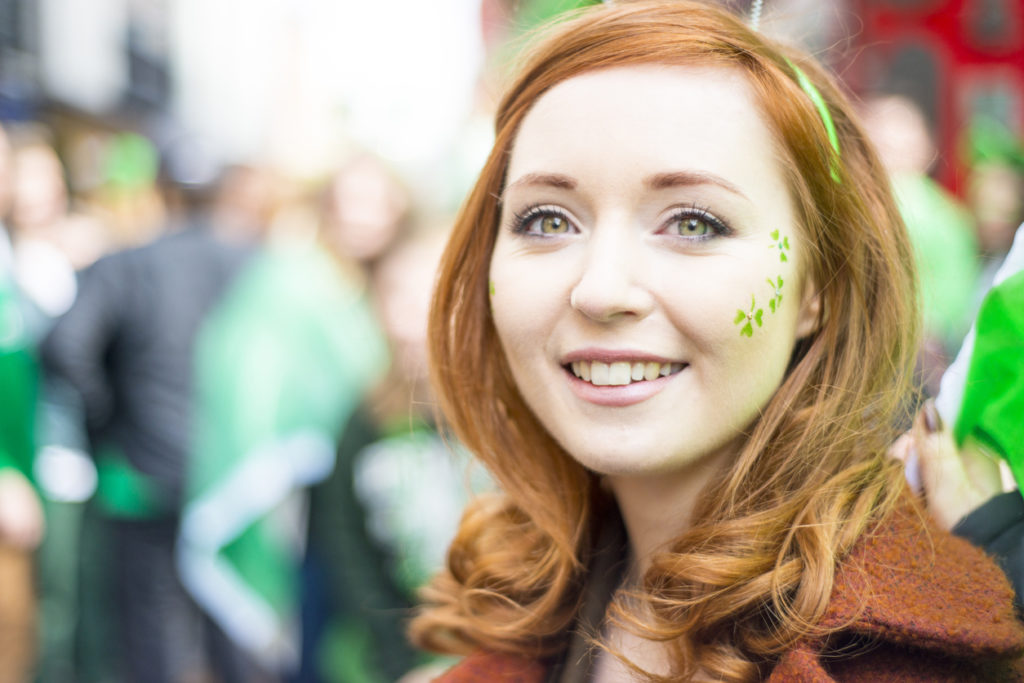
<point x="218" y="455"/>
<point x="959" y="241"/>
<point x="218" y="452"/>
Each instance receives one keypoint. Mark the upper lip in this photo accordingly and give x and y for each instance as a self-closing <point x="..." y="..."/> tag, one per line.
<point x="615" y="356"/>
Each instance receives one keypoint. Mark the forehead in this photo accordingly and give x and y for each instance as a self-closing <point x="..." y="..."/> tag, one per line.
<point x="650" y="118"/>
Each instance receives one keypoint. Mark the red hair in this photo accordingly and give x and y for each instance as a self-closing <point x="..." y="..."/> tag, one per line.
<point x="755" y="570"/>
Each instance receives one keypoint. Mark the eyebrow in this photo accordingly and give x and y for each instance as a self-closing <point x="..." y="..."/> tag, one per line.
<point x="658" y="181"/>
<point x="557" y="180"/>
<point x="663" y="181"/>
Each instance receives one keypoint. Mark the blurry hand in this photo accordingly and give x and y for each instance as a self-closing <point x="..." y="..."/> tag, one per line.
<point x="21" y="514"/>
<point x="953" y="483"/>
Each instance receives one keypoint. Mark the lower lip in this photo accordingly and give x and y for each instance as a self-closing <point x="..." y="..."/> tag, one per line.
<point x="621" y="395"/>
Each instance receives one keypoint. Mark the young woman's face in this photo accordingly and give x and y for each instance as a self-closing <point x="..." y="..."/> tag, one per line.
<point x="646" y="280"/>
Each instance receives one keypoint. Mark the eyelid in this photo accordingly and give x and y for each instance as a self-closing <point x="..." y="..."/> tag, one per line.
<point x="719" y="227"/>
<point x="522" y="219"/>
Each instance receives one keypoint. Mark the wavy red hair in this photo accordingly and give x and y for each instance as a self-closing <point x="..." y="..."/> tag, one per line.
<point x="755" y="570"/>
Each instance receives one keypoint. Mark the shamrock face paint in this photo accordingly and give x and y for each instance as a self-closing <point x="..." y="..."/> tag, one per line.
<point x="751" y="317"/>
<point x="755" y="315"/>
<point x="776" y="299"/>
<point x="781" y="243"/>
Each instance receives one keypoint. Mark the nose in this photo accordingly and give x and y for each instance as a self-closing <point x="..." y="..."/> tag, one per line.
<point x="611" y="282"/>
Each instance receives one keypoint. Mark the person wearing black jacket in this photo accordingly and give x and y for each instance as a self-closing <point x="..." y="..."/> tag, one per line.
<point x="126" y="346"/>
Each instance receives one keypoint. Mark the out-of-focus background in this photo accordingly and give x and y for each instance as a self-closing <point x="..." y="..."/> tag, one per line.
<point x="219" y="226"/>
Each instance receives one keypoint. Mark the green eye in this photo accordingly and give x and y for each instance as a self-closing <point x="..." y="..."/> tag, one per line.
<point x="693" y="226"/>
<point x="553" y="225"/>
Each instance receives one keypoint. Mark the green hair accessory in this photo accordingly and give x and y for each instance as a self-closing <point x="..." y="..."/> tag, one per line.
<point x="826" y="118"/>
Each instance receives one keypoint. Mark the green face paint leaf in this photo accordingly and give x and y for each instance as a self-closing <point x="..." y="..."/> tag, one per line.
<point x="490" y="287"/>
<point x="775" y="302"/>
<point x="753" y="316"/>
<point x="781" y="244"/>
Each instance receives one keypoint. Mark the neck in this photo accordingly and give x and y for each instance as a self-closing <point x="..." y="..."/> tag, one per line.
<point x="657" y="508"/>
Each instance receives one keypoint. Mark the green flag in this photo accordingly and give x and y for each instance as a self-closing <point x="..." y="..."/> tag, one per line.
<point x="982" y="392"/>
<point x="993" y="405"/>
<point x="282" y="362"/>
<point x="18" y="385"/>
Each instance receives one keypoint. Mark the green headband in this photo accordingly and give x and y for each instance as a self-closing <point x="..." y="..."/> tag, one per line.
<point x="826" y="118"/>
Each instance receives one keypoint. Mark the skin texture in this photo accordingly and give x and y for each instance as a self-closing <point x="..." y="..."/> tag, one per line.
<point x="619" y="256"/>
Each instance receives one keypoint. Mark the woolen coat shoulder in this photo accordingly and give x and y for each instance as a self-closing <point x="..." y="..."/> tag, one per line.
<point x="911" y="603"/>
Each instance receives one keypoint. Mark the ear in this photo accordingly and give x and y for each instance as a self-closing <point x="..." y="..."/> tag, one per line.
<point x="809" y="320"/>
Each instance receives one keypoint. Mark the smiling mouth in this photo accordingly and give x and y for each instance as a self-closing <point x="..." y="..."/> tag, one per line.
<point x="622" y="372"/>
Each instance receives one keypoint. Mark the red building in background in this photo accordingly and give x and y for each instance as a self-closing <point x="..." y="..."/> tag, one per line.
<point x="958" y="59"/>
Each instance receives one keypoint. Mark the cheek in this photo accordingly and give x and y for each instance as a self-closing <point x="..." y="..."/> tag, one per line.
<point x="740" y="313"/>
<point x="519" y="299"/>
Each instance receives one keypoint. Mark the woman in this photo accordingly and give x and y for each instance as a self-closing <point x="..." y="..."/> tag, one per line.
<point x="679" y="303"/>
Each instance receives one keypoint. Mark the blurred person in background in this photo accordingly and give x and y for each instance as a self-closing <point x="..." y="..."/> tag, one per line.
<point x="118" y="177"/>
<point x="995" y="193"/>
<point x="365" y="213"/>
<point x="126" y="347"/>
<point x="50" y="240"/>
<point x="283" y="361"/>
<point x="6" y="251"/>
<point x="21" y="513"/>
<point x="380" y="524"/>
<point x="939" y="226"/>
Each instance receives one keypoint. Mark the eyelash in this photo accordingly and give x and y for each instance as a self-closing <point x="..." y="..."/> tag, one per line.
<point x="521" y="220"/>
<point x="718" y="227"/>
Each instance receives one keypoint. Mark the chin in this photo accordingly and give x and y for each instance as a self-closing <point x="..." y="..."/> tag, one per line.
<point x="627" y="463"/>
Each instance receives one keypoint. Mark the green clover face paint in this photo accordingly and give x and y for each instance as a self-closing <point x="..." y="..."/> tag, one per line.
<point x="490" y="287"/>
<point x="751" y="317"/>
<point x="781" y="243"/>
<point x="776" y="301"/>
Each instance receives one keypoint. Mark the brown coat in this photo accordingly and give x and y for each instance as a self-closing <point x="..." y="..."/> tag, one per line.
<point x="920" y="604"/>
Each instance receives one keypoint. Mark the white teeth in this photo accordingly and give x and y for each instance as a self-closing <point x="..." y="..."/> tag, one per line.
<point x="637" y="372"/>
<point x="620" y="373"/>
<point x="651" y="370"/>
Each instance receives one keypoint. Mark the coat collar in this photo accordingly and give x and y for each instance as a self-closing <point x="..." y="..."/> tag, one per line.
<point x="909" y="583"/>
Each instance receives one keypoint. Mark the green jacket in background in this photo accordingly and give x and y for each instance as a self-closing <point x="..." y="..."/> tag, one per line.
<point x="18" y="386"/>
